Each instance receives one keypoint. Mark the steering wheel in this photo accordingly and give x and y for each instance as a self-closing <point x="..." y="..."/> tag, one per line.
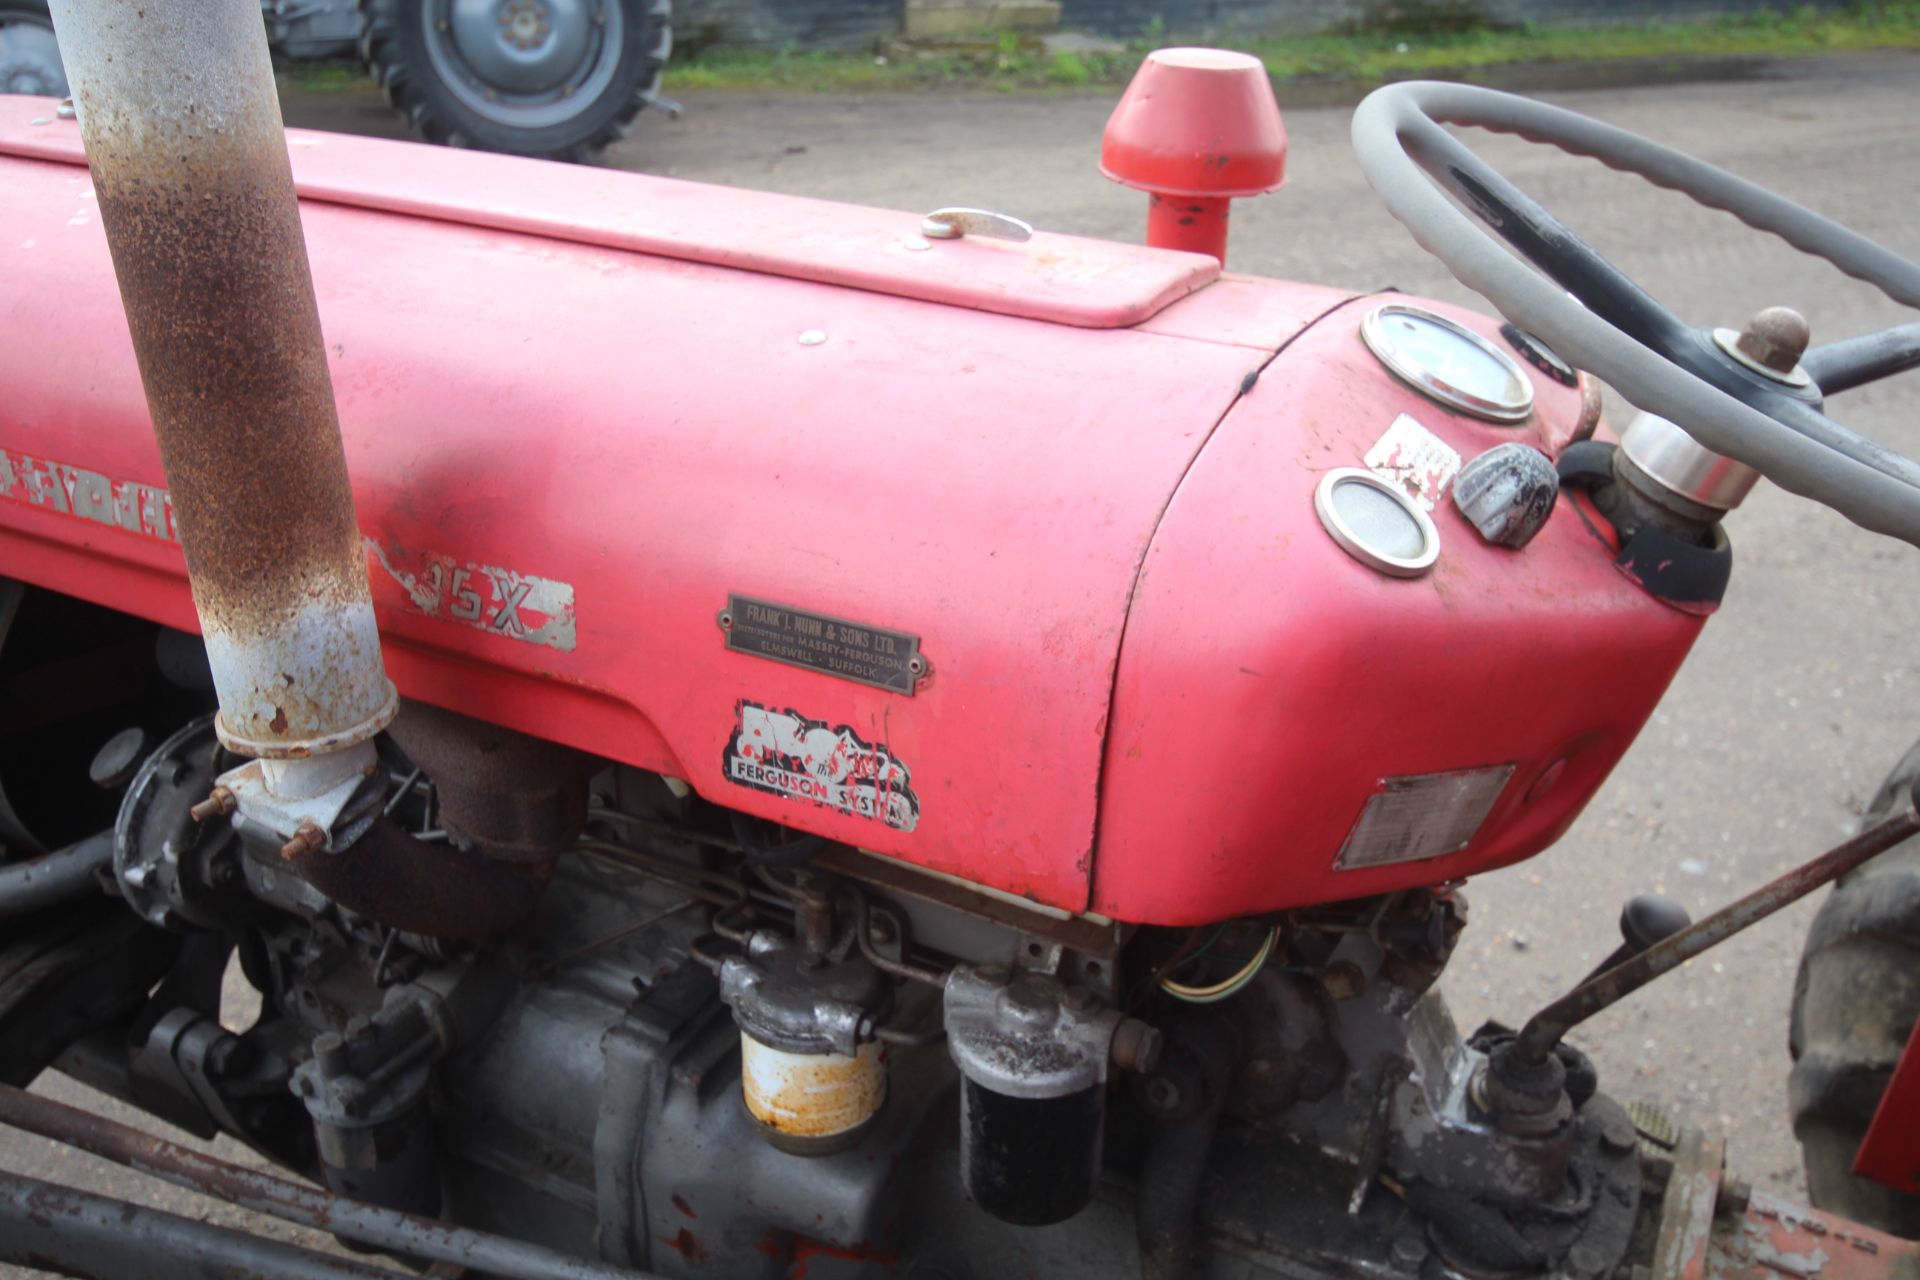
<point x="1593" y="316"/>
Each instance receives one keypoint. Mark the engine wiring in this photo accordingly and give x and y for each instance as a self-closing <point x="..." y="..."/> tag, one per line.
<point x="1215" y="992"/>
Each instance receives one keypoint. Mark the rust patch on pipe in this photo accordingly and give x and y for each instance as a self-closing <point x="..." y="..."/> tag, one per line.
<point x="212" y="269"/>
<point x="189" y="164"/>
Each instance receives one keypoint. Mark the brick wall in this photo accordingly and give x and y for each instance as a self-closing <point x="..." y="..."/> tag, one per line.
<point x="858" y="24"/>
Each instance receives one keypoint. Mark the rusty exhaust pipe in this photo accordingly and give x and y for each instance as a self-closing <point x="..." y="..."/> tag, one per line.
<point x="182" y="127"/>
<point x="177" y="107"/>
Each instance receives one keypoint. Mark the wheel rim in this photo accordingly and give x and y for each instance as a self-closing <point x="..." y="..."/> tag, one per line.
<point x="29" y="56"/>
<point x="525" y="63"/>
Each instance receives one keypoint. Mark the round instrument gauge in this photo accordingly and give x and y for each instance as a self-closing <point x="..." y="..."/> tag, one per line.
<point x="1448" y="363"/>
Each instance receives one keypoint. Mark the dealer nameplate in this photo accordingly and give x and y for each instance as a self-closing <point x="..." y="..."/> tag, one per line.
<point x="832" y="646"/>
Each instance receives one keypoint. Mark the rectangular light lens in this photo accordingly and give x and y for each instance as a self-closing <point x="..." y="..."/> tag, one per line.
<point x="1422" y="815"/>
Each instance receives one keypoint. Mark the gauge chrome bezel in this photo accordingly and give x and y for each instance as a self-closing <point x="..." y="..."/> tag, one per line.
<point x="1403" y="365"/>
<point x="1358" y="547"/>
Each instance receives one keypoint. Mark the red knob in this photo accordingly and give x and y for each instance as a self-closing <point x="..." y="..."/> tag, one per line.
<point x="1197" y="122"/>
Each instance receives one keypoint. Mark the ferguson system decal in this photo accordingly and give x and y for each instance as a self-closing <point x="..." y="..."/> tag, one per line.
<point x="787" y="754"/>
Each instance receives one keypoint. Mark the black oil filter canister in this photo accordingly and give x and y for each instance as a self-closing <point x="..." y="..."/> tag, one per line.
<point x="1030" y="1161"/>
<point x="1033" y="1054"/>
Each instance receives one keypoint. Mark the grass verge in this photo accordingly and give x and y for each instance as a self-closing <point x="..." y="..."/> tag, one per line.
<point x="1010" y="63"/>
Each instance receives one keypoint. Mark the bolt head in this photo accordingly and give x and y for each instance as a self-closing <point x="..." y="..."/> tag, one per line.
<point x="219" y="802"/>
<point x="1136" y="1045"/>
<point x="1777" y="338"/>
<point x="305" y="840"/>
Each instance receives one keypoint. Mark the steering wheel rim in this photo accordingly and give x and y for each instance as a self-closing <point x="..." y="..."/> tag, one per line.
<point x="1408" y="156"/>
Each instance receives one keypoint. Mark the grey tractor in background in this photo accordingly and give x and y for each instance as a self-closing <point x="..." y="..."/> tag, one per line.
<point x="553" y="78"/>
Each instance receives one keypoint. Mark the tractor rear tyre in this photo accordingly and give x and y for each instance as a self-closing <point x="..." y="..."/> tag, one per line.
<point x="558" y="79"/>
<point x="1855" y="1003"/>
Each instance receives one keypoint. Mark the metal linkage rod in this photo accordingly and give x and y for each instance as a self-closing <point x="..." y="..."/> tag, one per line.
<point x="78" y="1233"/>
<point x="290" y="1201"/>
<point x="1544" y="1029"/>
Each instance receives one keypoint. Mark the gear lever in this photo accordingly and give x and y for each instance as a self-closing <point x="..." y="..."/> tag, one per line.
<point x="1646" y="919"/>
<point x="1535" y="1042"/>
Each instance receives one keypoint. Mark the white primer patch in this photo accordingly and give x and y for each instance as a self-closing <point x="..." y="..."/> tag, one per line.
<point x="1415" y="460"/>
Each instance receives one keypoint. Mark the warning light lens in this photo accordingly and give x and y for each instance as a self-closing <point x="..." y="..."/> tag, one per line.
<point x="1376" y="523"/>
